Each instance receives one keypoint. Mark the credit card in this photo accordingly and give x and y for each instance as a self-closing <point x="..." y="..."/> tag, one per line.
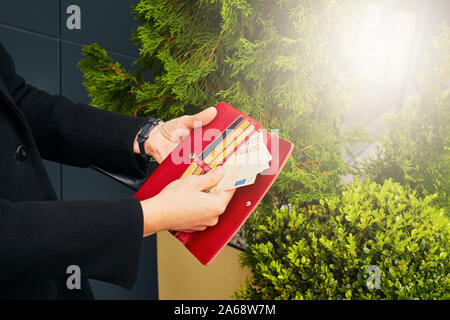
<point x="231" y="147"/>
<point x="213" y="145"/>
<point x="198" y="171"/>
<point x="221" y="146"/>
<point x="219" y="143"/>
<point x="189" y="170"/>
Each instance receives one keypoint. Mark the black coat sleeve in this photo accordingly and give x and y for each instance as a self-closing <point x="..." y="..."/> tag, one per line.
<point x="103" y="238"/>
<point x="75" y="134"/>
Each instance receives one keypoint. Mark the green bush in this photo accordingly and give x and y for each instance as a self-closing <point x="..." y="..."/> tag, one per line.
<point x="324" y="251"/>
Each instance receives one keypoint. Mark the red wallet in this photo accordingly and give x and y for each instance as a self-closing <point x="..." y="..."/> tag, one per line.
<point x="201" y="151"/>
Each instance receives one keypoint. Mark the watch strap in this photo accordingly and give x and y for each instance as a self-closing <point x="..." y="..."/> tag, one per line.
<point x="145" y="132"/>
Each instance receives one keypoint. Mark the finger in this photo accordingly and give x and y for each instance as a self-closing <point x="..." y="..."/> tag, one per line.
<point x="195" y="229"/>
<point x="228" y="195"/>
<point x="225" y="196"/>
<point x="213" y="221"/>
<point x="209" y="180"/>
<point x="200" y="119"/>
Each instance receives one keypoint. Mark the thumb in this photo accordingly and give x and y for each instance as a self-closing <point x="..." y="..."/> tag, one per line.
<point x="202" y="118"/>
<point x="211" y="179"/>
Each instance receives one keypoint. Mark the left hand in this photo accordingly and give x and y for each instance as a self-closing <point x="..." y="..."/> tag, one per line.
<point x="167" y="135"/>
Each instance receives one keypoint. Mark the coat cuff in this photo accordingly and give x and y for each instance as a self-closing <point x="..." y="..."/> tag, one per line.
<point x="125" y="232"/>
<point x="134" y="161"/>
<point x="141" y="167"/>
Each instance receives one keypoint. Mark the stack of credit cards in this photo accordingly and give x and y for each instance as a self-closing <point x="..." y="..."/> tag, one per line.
<point x="242" y="161"/>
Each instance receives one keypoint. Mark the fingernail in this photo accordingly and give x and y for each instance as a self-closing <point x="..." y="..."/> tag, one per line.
<point x="211" y="108"/>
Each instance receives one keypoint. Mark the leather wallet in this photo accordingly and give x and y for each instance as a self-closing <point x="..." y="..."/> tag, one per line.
<point x="201" y="151"/>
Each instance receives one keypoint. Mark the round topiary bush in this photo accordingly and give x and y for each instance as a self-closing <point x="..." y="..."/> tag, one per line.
<point x="373" y="242"/>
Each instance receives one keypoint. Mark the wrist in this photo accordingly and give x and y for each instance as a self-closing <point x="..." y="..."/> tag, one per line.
<point x="142" y="141"/>
<point x="136" y="144"/>
<point x="153" y="217"/>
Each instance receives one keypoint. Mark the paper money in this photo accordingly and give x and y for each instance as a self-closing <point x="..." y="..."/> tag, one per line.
<point x="249" y="160"/>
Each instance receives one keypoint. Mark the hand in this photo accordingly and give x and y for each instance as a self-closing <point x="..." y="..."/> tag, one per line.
<point x="166" y="136"/>
<point x="184" y="206"/>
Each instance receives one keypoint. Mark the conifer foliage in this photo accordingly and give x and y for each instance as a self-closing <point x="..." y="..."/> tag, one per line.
<point x="274" y="60"/>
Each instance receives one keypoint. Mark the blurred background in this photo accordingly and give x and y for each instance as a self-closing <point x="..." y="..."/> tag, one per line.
<point x="393" y="40"/>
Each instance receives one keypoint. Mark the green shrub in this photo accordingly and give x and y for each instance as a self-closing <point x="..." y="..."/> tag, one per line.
<point x="324" y="251"/>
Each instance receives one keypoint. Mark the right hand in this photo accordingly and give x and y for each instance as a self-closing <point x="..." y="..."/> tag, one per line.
<point x="184" y="206"/>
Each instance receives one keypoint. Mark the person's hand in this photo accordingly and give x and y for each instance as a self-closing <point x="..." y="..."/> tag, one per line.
<point x="184" y="206"/>
<point x="166" y="136"/>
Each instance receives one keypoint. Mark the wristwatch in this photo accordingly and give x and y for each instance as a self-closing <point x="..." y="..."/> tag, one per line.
<point x="143" y="135"/>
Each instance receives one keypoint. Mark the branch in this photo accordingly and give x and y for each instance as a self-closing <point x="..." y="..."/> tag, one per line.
<point x="212" y="51"/>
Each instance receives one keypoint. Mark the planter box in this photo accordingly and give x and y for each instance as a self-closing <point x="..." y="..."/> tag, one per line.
<point x="181" y="276"/>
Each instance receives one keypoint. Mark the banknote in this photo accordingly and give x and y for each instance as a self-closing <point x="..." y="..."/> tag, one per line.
<point x="242" y="167"/>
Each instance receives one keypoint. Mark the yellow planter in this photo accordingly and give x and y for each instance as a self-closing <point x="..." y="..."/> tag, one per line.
<point x="182" y="277"/>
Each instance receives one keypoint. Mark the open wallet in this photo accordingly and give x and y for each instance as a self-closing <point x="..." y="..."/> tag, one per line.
<point x="206" y="148"/>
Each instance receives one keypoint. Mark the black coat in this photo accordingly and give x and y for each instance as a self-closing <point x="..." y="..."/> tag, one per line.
<point x="40" y="236"/>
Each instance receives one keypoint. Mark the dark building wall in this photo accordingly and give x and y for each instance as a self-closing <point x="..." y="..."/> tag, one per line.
<point x="46" y="53"/>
